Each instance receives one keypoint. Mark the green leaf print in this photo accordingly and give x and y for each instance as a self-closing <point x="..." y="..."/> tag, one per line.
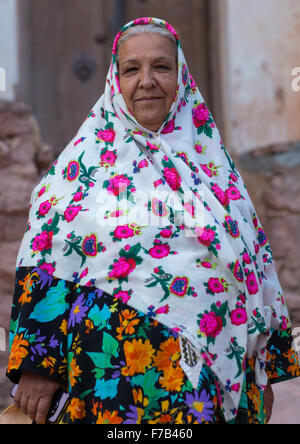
<point x="53" y="305"/>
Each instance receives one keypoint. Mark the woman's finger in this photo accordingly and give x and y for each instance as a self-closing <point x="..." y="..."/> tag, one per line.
<point x="24" y="402"/>
<point x="43" y="409"/>
<point x="32" y="408"/>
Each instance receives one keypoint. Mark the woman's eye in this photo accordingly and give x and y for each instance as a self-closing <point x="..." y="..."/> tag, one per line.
<point x="162" y="67"/>
<point x="131" y="69"/>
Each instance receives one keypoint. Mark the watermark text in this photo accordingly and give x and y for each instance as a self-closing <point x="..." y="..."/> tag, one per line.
<point x="2" y="340"/>
<point x="296" y="342"/>
<point x="296" y="81"/>
<point x="2" y="79"/>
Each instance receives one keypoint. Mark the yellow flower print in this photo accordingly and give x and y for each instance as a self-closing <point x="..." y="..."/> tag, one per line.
<point x="138" y="356"/>
<point x="49" y="362"/>
<point x="76" y="345"/>
<point x="64" y="327"/>
<point x="139" y="398"/>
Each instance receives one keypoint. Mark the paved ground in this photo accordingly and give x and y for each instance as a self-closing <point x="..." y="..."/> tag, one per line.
<point x="287" y="402"/>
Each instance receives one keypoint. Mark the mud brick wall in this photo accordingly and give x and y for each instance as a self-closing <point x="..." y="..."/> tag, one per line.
<point x="23" y="160"/>
<point x="272" y="176"/>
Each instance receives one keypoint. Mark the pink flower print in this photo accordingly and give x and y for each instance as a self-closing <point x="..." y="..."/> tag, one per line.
<point x="169" y="127"/>
<point x="153" y="148"/>
<point x="143" y="163"/>
<point x="211" y="324"/>
<point x="246" y="258"/>
<point x="142" y="21"/>
<point x="71" y="212"/>
<point x="200" y="115"/>
<point x="118" y="84"/>
<point x="171" y="29"/>
<point x="206" y="237"/>
<point x="198" y="148"/>
<point x="166" y="233"/>
<point x="193" y="84"/>
<point x="239" y="316"/>
<point x="43" y="241"/>
<point x="233" y="193"/>
<point x="123" y="232"/>
<point x="42" y="191"/>
<point x="123" y="295"/>
<point x="159" y="251"/>
<point x="206" y="264"/>
<point x="44" y="208"/>
<point x="108" y="157"/>
<point x="207" y="171"/>
<point x="172" y="178"/>
<point x="122" y="268"/>
<point x="118" y="184"/>
<point x="220" y="195"/>
<point x="84" y="273"/>
<point x="285" y="323"/>
<point x="233" y="177"/>
<point x="251" y="283"/>
<point x="107" y="135"/>
<point x="236" y="388"/>
<point x="215" y="285"/>
<point x="48" y="268"/>
<point x="114" y="49"/>
<point x="163" y="310"/>
<point x="78" y="196"/>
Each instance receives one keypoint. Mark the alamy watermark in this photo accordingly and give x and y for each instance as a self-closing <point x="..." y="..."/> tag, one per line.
<point x="296" y="81"/>
<point x="2" y="79"/>
<point x="2" y="340"/>
<point x="296" y="342"/>
<point x="138" y="208"/>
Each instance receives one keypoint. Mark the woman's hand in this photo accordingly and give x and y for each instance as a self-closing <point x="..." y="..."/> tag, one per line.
<point x="34" y="396"/>
<point x="269" y="401"/>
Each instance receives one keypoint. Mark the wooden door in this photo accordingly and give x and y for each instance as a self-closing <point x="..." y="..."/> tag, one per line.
<point x="65" y="51"/>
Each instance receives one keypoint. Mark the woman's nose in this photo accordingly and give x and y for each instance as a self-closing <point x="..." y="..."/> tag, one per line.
<point x="147" y="79"/>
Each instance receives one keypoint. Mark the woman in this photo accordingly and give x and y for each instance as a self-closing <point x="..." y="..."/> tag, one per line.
<point x="177" y="320"/>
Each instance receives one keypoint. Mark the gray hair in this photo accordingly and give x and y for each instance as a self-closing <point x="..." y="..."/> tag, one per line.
<point x="152" y="28"/>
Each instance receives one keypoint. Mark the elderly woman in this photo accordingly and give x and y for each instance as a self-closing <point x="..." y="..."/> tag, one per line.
<point x="145" y="283"/>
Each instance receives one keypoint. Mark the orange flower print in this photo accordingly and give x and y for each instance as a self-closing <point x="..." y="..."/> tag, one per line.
<point x="127" y="323"/>
<point x="74" y="372"/>
<point x="28" y="284"/>
<point x="77" y="409"/>
<point x="18" y="352"/>
<point x="168" y="354"/>
<point x="108" y="417"/>
<point x="138" y="356"/>
<point x="172" y="379"/>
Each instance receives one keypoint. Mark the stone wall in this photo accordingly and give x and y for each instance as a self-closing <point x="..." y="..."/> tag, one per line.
<point x="272" y="176"/>
<point x="23" y="160"/>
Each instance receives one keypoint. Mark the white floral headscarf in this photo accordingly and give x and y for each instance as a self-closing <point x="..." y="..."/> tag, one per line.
<point x="202" y="266"/>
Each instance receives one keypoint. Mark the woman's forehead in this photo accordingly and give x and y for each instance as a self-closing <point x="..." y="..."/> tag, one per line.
<point x="146" y="46"/>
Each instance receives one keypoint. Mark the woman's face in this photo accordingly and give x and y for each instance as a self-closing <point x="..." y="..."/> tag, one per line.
<point x="148" y="78"/>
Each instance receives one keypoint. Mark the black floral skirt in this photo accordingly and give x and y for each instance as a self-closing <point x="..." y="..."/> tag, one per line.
<point x="119" y="365"/>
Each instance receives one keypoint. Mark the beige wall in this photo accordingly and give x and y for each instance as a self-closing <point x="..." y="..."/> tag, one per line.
<point x="260" y="46"/>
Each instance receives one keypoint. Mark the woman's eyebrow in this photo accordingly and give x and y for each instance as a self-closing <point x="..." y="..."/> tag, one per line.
<point x="159" y="59"/>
